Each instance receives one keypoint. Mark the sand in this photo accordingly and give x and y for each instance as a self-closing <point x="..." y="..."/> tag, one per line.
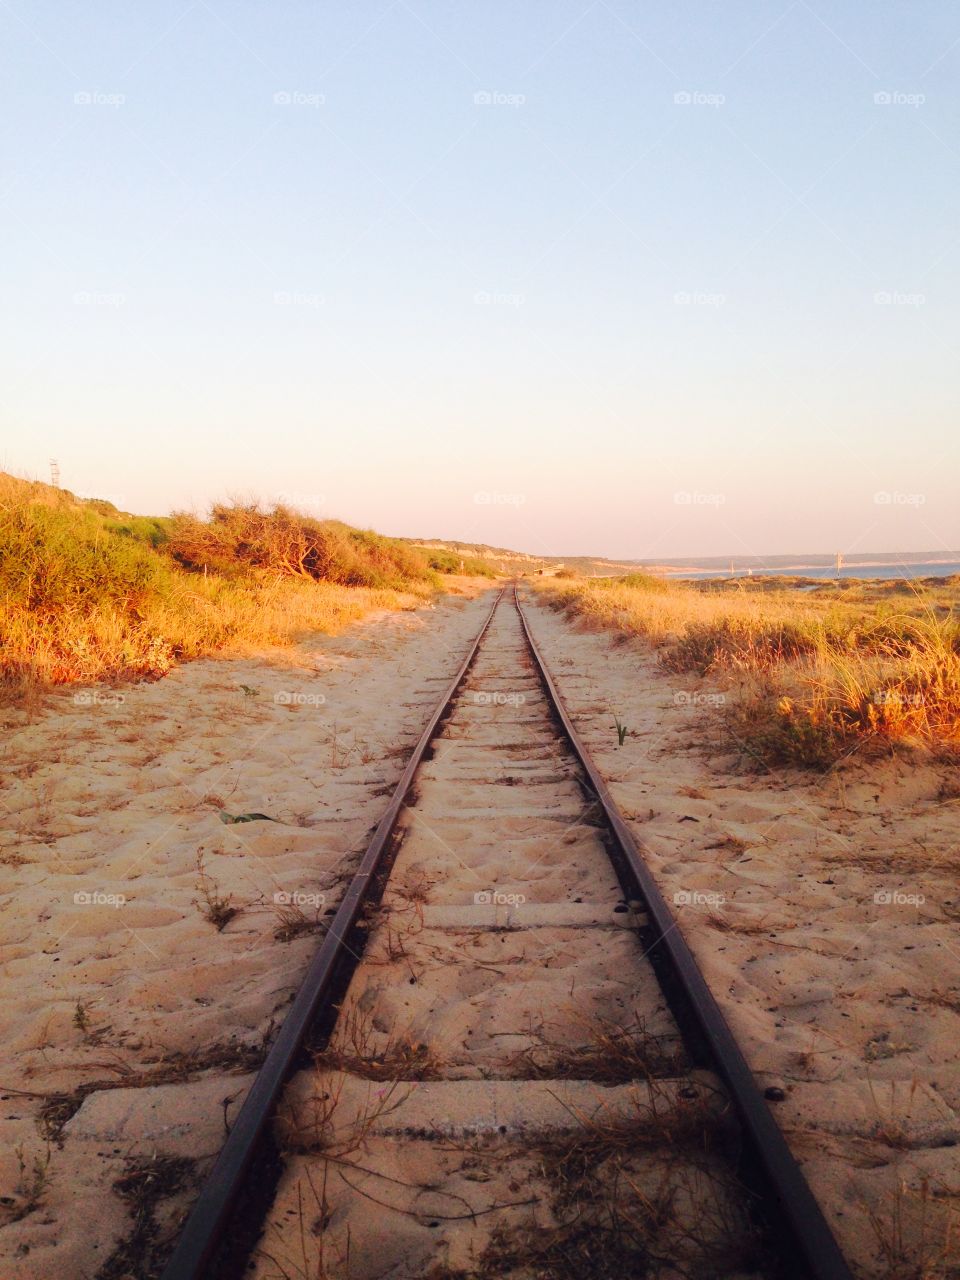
<point x="113" y="976"/>
<point x="823" y="911"/>
<point x="420" y="1144"/>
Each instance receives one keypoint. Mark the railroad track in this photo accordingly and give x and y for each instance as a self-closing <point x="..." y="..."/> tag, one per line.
<point x="503" y="1060"/>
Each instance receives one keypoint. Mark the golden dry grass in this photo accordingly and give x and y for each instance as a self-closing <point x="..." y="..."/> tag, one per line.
<point x="818" y="671"/>
<point x="87" y="594"/>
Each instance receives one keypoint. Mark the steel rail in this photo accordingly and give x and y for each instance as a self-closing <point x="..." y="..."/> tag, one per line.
<point x="809" y="1236"/>
<point x="210" y="1216"/>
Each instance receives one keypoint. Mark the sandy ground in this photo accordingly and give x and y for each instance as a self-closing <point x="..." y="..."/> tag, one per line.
<point x="823" y="911"/>
<point x="420" y="1144"/>
<point x="116" y="982"/>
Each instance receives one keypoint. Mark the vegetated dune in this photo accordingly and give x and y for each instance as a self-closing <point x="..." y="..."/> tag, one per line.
<point x="90" y="593"/>
<point x="816" y="672"/>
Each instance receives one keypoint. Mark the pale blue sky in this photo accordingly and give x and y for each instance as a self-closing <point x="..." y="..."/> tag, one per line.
<point x="636" y="325"/>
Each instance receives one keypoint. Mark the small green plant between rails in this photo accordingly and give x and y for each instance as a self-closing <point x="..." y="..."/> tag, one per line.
<point x="621" y="729"/>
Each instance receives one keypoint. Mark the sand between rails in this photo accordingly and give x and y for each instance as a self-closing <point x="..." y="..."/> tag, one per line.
<point x="112" y="973"/>
<point x="823" y="912"/>
<point x="845" y="1001"/>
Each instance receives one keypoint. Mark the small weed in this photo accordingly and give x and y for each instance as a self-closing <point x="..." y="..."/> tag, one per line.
<point x="293" y="922"/>
<point x="355" y="1049"/>
<point x="33" y="1178"/>
<point x="621" y="729"/>
<point x="81" y="1018"/>
<point x="610" y="1053"/>
<point x="142" y="1188"/>
<point x="211" y="905"/>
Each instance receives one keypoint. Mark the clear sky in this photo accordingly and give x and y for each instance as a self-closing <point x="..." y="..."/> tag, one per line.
<point x="574" y="276"/>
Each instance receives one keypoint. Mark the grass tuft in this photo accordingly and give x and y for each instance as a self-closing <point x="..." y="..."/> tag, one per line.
<point x="820" y="672"/>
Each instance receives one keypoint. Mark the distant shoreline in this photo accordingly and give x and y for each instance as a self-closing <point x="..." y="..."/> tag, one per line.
<point x="794" y="568"/>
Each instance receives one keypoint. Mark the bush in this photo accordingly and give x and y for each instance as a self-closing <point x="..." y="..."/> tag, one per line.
<point x="239" y="537"/>
<point x="92" y="595"/>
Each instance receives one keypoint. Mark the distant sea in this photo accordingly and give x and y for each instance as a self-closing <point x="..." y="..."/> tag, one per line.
<point x="935" y="569"/>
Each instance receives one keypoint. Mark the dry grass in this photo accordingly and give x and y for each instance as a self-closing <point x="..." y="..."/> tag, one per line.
<point x="819" y="672"/>
<point x="143" y="1188"/>
<point x="356" y="1049"/>
<point x="211" y="904"/>
<point x="91" y="595"/>
<point x="621" y="1192"/>
<point x="917" y="1234"/>
<point x="610" y="1053"/>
